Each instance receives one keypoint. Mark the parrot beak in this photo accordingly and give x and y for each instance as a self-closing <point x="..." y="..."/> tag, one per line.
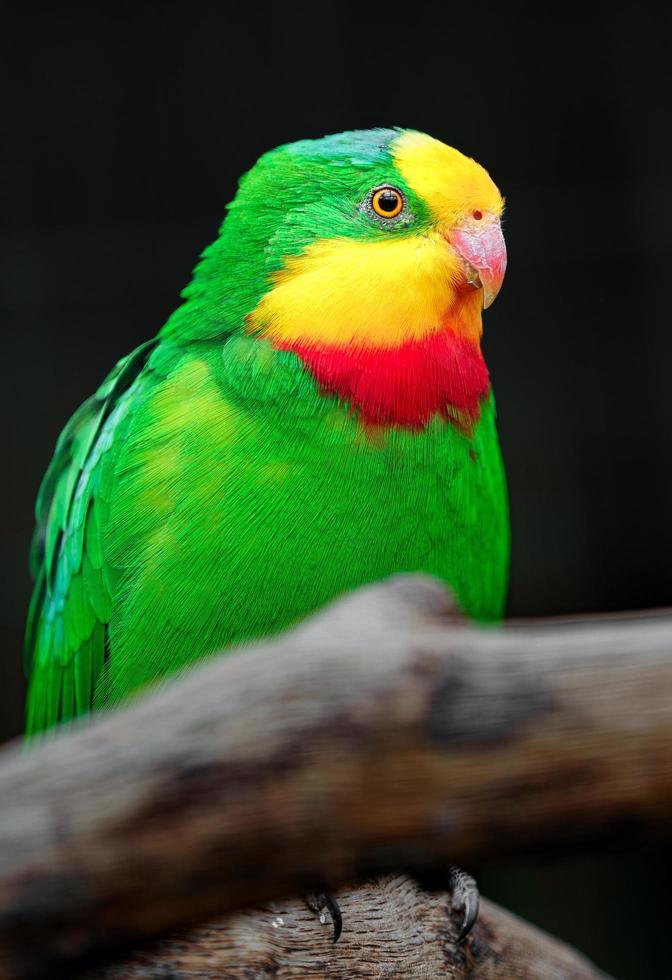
<point x="480" y="243"/>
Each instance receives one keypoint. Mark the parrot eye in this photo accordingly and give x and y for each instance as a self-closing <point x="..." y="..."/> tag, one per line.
<point x="477" y="215"/>
<point x="387" y="201"/>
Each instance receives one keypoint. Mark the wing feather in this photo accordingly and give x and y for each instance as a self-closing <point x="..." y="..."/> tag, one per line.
<point x="74" y="588"/>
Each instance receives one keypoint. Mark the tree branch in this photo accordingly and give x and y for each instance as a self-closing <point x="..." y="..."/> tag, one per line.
<point x="393" y="929"/>
<point x="383" y="734"/>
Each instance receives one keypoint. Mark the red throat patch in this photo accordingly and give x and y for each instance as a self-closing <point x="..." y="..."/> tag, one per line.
<point x="403" y="386"/>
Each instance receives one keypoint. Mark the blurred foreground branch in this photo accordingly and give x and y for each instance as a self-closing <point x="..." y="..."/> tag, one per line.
<point x="383" y="734"/>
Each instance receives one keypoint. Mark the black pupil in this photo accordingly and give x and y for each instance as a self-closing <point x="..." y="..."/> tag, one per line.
<point x="388" y="200"/>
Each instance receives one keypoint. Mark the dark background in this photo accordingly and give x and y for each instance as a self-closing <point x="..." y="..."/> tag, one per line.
<point x="123" y="133"/>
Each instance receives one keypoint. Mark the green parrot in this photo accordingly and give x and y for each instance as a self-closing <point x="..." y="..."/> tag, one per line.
<point x="316" y="415"/>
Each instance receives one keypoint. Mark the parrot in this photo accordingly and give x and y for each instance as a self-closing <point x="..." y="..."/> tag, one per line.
<point x="315" y="415"/>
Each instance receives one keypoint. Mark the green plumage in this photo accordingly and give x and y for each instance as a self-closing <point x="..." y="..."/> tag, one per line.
<point x="209" y="492"/>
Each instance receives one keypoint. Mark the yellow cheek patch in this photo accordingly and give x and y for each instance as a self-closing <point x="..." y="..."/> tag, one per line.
<point x="452" y="184"/>
<point x="376" y="294"/>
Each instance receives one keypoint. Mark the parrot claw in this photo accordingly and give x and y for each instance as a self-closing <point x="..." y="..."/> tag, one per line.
<point x="465" y="900"/>
<point x="464" y="894"/>
<point x="318" y="902"/>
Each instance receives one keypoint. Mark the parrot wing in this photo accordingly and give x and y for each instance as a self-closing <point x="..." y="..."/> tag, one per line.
<point x="74" y="585"/>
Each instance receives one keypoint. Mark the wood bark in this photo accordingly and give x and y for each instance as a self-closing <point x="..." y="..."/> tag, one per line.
<point x="392" y="929"/>
<point x="384" y="734"/>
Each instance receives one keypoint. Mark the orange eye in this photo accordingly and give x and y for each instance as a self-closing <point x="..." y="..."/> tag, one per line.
<point x="387" y="202"/>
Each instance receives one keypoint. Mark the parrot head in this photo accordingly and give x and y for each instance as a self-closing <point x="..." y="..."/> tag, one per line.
<point x="370" y="254"/>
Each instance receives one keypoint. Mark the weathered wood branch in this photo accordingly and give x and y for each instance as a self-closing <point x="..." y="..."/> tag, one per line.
<point x="383" y="734"/>
<point x="393" y="930"/>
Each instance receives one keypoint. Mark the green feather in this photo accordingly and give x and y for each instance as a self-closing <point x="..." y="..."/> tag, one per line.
<point x="82" y="677"/>
<point x="209" y="493"/>
<point x="71" y="604"/>
<point x="67" y="697"/>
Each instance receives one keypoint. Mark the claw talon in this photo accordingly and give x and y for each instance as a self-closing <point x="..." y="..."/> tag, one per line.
<point x="319" y="901"/>
<point x="465" y="900"/>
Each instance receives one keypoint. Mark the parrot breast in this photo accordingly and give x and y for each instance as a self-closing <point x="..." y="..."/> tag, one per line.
<point x="404" y="386"/>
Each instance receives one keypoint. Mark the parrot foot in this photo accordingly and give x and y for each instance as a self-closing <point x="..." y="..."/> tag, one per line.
<point x="320" y="903"/>
<point x="464" y="894"/>
<point x="465" y="900"/>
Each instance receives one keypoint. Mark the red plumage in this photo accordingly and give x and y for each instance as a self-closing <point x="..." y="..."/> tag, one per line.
<point x="403" y="386"/>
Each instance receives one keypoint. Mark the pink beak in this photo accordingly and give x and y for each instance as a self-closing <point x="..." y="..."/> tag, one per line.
<point x="481" y="244"/>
